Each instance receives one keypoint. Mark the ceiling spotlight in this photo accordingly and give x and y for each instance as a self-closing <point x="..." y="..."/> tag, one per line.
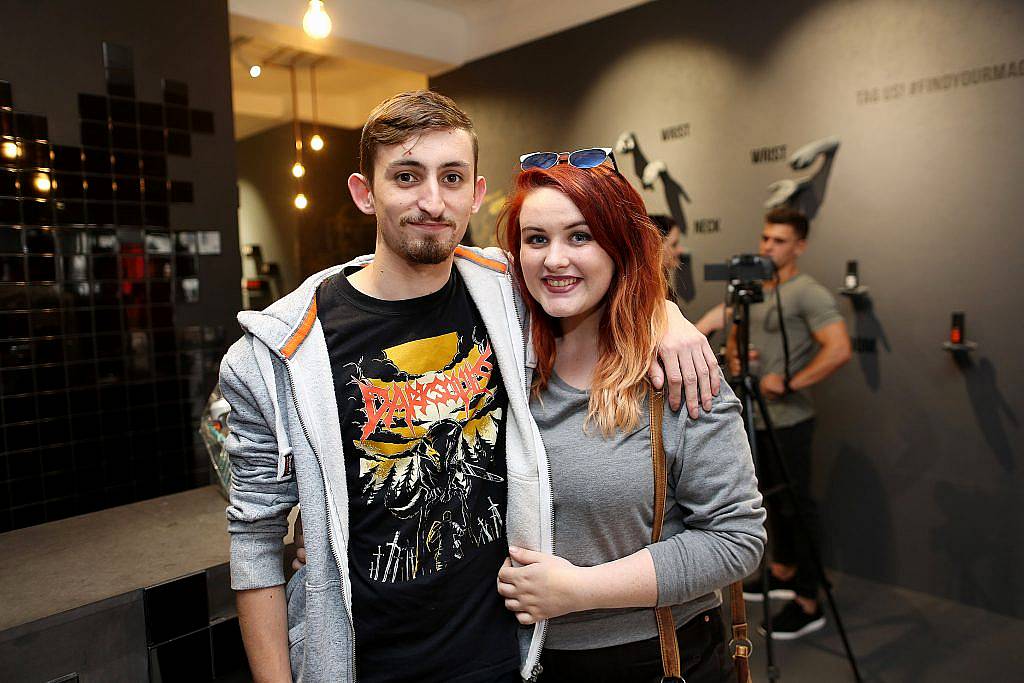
<point x="298" y="170"/>
<point x="316" y="143"/>
<point x="315" y="21"/>
<point x="255" y="70"/>
<point x="300" y="201"/>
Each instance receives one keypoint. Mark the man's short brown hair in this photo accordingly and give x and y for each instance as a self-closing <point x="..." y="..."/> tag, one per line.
<point x="398" y="118"/>
<point x="784" y="215"/>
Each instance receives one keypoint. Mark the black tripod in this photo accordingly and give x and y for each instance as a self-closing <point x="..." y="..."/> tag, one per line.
<point x="742" y="295"/>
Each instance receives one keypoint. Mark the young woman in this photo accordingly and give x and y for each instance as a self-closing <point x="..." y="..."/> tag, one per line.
<point x="590" y="260"/>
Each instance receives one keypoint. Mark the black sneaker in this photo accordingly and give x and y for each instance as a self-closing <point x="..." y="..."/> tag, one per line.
<point x="792" y="622"/>
<point x="777" y="589"/>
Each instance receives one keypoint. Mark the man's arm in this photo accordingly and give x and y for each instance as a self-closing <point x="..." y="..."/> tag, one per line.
<point x="690" y="365"/>
<point x="714" y="320"/>
<point x="834" y="353"/>
<point x="257" y="516"/>
<point x="263" y="618"/>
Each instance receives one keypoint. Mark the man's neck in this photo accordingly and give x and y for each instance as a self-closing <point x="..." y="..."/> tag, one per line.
<point x="391" y="278"/>
<point x="788" y="272"/>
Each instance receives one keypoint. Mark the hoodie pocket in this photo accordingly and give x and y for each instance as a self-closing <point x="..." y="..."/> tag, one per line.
<point x="295" y="599"/>
<point x="522" y="518"/>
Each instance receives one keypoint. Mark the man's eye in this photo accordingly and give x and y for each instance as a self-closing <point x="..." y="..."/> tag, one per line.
<point x="453" y="178"/>
<point x="405" y="177"/>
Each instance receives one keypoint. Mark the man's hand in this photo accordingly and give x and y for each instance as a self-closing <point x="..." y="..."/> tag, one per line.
<point x="690" y="364"/>
<point x="544" y="586"/>
<point x="300" y="544"/>
<point x="773" y="386"/>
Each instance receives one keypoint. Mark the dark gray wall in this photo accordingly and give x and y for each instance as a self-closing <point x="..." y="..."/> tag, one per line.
<point x="330" y="230"/>
<point x="108" y="416"/>
<point x="918" y="461"/>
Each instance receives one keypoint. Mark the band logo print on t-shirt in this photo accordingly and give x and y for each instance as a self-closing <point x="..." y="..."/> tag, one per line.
<point x="428" y="433"/>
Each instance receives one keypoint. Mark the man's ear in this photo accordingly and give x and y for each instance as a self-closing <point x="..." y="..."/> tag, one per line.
<point x="479" y="192"/>
<point x="362" y="194"/>
<point x="800" y="246"/>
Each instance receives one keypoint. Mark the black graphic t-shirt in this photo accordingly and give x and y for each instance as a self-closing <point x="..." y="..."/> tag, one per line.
<point x="422" y="410"/>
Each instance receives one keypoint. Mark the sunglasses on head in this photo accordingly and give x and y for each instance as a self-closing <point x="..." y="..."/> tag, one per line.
<point x="581" y="158"/>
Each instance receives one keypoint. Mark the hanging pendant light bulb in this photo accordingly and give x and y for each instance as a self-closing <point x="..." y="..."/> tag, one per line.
<point x="255" y="70"/>
<point x="316" y="143"/>
<point x="300" y="201"/>
<point x="315" y="22"/>
<point x="298" y="170"/>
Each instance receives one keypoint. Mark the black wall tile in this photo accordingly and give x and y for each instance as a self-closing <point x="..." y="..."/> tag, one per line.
<point x="176" y="608"/>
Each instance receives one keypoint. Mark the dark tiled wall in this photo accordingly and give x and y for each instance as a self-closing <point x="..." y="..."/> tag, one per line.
<point x="99" y="387"/>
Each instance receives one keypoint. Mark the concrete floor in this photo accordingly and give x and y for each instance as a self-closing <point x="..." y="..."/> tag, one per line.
<point x="899" y="635"/>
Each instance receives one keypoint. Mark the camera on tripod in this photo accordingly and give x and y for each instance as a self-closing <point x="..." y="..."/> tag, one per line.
<point x="744" y="273"/>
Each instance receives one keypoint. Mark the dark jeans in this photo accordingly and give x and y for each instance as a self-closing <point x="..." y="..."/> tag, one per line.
<point x="702" y="653"/>
<point x="787" y="542"/>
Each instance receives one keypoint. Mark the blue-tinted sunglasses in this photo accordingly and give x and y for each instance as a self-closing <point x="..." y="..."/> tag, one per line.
<point x="581" y="158"/>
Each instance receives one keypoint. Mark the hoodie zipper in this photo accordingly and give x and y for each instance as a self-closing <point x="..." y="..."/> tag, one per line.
<point x="537" y="669"/>
<point x="330" y="536"/>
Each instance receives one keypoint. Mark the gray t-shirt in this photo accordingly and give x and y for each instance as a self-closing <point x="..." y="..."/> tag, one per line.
<point x="604" y="508"/>
<point x="807" y="307"/>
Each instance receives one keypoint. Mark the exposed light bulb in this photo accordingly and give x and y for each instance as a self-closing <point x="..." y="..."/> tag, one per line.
<point x="315" y="21"/>
<point x="298" y="170"/>
<point x="255" y="70"/>
<point x="316" y="142"/>
<point x="42" y="182"/>
<point x="10" y="150"/>
<point x="300" y="201"/>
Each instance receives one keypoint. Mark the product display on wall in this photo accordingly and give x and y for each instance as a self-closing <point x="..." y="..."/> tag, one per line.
<point x="958" y="342"/>
<point x="100" y="387"/>
<point x="805" y="193"/>
<point x="649" y="173"/>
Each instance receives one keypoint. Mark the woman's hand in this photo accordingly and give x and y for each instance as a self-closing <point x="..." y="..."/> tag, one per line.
<point x="544" y="586"/>
<point x="690" y="364"/>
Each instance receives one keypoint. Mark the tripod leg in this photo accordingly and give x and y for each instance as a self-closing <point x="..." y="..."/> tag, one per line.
<point x="815" y="554"/>
<point x="769" y="647"/>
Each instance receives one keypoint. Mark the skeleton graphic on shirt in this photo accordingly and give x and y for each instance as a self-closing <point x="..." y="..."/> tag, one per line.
<point x="427" y="441"/>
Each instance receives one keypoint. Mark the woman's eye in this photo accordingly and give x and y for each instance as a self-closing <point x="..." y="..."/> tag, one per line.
<point x="535" y="239"/>
<point x="580" y="237"/>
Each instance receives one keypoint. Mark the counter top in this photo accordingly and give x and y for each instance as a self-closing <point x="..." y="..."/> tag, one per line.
<point x="54" y="567"/>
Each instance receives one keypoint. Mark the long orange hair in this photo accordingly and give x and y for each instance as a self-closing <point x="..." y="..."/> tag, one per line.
<point x="634" y="313"/>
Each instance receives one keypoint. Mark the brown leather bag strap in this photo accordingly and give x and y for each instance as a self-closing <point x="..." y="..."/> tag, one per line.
<point x="663" y="615"/>
<point x="740" y="645"/>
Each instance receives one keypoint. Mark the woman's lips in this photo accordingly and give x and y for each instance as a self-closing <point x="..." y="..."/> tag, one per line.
<point x="560" y="285"/>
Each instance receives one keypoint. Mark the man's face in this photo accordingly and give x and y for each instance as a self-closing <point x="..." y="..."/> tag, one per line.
<point x="780" y="243"/>
<point x="424" y="192"/>
<point x="673" y="248"/>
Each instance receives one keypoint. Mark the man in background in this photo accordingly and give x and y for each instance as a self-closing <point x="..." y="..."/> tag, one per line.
<point x="818" y="345"/>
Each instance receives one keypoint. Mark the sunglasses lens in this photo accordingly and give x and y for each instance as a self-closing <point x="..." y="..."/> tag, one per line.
<point x="587" y="158"/>
<point x="540" y="160"/>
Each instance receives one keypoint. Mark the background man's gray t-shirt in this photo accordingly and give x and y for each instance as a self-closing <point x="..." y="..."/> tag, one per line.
<point x="604" y="507"/>
<point x="807" y="307"/>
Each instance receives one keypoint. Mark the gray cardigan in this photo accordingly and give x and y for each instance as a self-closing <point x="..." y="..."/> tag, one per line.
<point x="604" y="506"/>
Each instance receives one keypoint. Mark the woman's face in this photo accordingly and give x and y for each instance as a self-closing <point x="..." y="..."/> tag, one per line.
<point x="565" y="269"/>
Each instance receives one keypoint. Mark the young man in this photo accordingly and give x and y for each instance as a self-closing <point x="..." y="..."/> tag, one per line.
<point x="818" y="346"/>
<point x="389" y="396"/>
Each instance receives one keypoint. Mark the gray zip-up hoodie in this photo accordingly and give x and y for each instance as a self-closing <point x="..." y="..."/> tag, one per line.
<point x="286" y="449"/>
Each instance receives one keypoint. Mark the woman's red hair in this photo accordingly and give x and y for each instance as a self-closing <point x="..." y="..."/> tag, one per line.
<point x="634" y="314"/>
